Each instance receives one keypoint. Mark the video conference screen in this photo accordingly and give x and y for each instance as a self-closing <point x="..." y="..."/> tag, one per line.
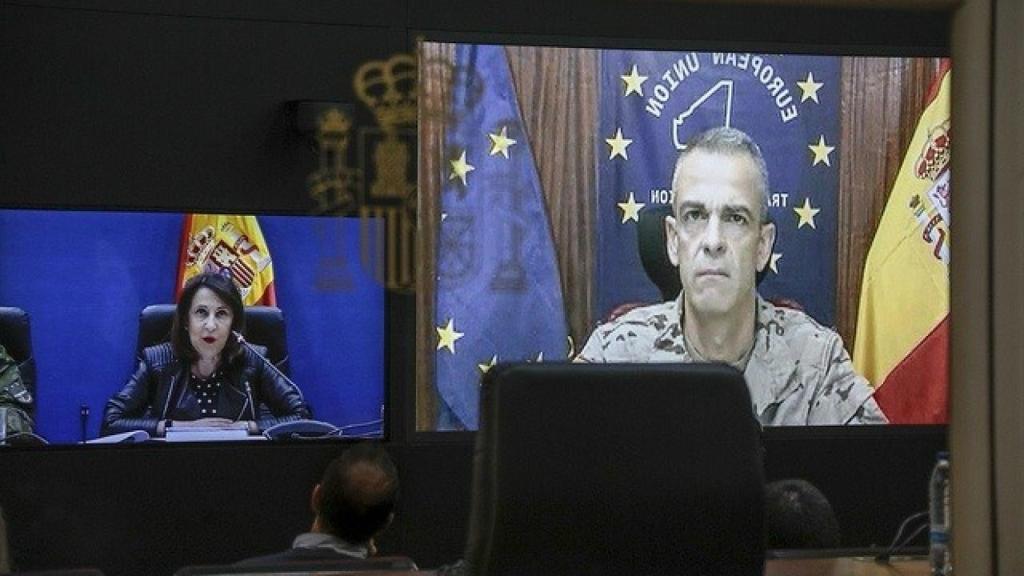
<point x="787" y="214"/>
<point x="84" y="278"/>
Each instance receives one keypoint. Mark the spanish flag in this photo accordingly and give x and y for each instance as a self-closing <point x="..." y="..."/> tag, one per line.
<point x="228" y="244"/>
<point x="902" y="343"/>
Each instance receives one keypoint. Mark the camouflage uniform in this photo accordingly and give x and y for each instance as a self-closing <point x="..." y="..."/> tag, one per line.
<point x="15" y="399"/>
<point x="798" y="371"/>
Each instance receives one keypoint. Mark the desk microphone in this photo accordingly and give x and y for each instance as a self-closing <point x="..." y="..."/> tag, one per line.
<point x="248" y="390"/>
<point x="248" y="401"/>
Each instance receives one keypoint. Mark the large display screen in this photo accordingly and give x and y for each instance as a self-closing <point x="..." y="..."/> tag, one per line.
<point x="547" y="180"/>
<point x="84" y="277"/>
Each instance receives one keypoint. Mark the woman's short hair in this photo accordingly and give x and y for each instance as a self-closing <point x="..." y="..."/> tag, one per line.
<point x="226" y="290"/>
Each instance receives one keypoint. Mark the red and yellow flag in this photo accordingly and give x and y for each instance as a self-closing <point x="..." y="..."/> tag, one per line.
<point x="902" y="344"/>
<point x="228" y="244"/>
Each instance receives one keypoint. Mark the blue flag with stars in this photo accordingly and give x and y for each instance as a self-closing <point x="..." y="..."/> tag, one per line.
<point x="499" y="296"/>
<point x="651" y="103"/>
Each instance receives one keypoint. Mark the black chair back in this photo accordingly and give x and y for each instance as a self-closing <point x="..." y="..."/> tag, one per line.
<point x="650" y="233"/>
<point x="16" y="337"/>
<point x="264" y="326"/>
<point x="611" y="469"/>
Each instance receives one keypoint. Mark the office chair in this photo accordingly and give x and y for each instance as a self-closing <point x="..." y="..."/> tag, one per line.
<point x="264" y="326"/>
<point x="650" y="241"/>
<point x="611" y="469"/>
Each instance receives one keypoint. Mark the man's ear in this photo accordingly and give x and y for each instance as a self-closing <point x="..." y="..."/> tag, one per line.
<point x="671" y="240"/>
<point x="765" y="243"/>
<point x="373" y="539"/>
<point x="314" y="500"/>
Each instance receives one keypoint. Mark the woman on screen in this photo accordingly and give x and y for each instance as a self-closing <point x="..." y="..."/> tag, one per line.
<point x="205" y="376"/>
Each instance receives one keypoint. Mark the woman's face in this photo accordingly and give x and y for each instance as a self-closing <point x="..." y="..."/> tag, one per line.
<point x="209" y="323"/>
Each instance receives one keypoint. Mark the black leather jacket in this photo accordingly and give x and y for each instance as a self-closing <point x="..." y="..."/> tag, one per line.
<point x="146" y="399"/>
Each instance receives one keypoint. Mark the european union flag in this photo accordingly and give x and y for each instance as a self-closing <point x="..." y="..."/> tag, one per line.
<point x="653" y="102"/>
<point x="499" y="296"/>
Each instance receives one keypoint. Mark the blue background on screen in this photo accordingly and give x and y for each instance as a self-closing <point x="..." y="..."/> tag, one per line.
<point x="83" y="277"/>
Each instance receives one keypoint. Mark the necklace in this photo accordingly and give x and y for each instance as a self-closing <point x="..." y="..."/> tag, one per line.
<point x="199" y="378"/>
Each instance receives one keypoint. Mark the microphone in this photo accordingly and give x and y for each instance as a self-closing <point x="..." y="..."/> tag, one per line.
<point x="83" y="419"/>
<point x="248" y="390"/>
<point x="170" y="393"/>
<point x="248" y="402"/>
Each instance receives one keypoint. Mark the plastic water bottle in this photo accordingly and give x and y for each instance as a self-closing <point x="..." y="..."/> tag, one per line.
<point x="938" y="513"/>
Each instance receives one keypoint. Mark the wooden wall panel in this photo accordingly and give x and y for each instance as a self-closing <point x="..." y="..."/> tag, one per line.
<point x="557" y="89"/>
<point x="882" y="98"/>
<point x="436" y="65"/>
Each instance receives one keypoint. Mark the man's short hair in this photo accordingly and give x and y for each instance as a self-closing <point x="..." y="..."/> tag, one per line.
<point x="797" y="515"/>
<point x="727" y="141"/>
<point x="358" y="493"/>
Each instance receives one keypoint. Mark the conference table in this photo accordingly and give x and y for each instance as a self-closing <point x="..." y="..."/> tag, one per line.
<point x="816" y="566"/>
<point x="841" y="566"/>
<point x="847" y="566"/>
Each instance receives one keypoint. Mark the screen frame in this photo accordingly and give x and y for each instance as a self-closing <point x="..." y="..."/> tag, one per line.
<point x="935" y="43"/>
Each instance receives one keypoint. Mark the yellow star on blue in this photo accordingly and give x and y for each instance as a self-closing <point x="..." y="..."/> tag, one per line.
<point x="500" y="142"/>
<point x="809" y="88"/>
<point x="806" y="214"/>
<point x="634" y="82"/>
<point x="460" y="168"/>
<point x="618" y="145"/>
<point x="446" y="336"/>
<point x="630" y="209"/>
<point x="773" y="264"/>
<point x="821" y="151"/>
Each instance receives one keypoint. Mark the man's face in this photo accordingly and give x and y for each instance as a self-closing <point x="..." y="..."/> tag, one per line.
<point x="716" y="237"/>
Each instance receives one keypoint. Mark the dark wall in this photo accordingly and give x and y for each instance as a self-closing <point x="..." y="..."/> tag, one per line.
<point x="162" y="104"/>
<point x="146" y="510"/>
<point x="120" y="106"/>
<point x="152" y="509"/>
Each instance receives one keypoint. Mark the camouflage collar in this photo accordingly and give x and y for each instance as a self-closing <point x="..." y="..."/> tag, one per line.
<point x="690" y="353"/>
<point x="770" y="360"/>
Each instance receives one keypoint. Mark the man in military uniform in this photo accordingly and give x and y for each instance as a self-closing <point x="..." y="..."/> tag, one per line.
<point x="15" y="399"/>
<point x="719" y="237"/>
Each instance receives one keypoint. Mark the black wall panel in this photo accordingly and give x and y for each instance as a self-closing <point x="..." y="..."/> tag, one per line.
<point x="121" y="109"/>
